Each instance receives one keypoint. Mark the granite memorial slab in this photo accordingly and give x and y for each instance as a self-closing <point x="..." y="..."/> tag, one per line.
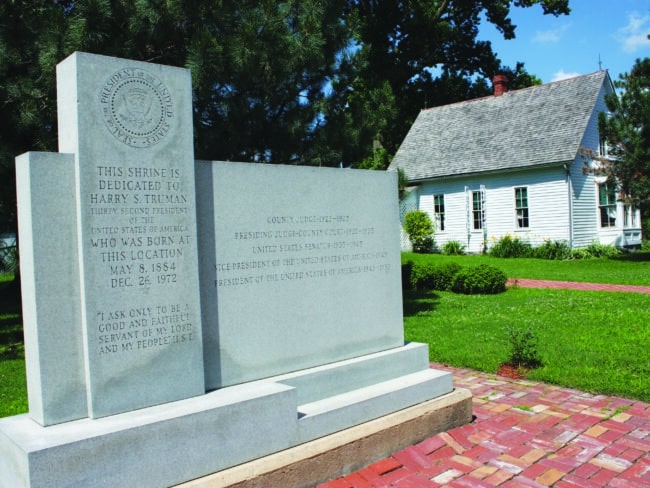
<point x="296" y="269"/>
<point x="49" y="267"/>
<point x="129" y="126"/>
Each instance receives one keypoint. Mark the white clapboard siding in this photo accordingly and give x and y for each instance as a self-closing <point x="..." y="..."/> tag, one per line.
<point x="547" y="221"/>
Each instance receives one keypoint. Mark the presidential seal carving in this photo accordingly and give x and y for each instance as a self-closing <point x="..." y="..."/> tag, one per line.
<point x="137" y="107"/>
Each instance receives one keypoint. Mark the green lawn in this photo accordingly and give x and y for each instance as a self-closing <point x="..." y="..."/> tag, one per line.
<point x="13" y="386"/>
<point x="592" y="341"/>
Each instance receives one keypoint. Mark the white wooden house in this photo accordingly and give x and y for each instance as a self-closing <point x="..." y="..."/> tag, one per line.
<point x="519" y="162"/>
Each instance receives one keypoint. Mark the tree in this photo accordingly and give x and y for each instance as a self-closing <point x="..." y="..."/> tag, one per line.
<point x="27" y="88"/>
<point x="626" y="128"/>
<point x="258" y="67"/>
<point x="418" y="54"/>
<point x="418" y="226"/>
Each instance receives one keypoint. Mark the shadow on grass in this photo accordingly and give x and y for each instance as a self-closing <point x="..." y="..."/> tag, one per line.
<point x="11" y="323"/>
<point x="419" y="301"/>
<point x="10" y="301"/>
<point x="634" y="257"/>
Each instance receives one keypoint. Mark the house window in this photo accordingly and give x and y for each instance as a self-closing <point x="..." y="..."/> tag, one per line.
<point x="521" y="207"/>
<point x="630" y="216"/>
<point x="478" y="212"/>
<point x="602" y="146"/>
<point x="607" y="205"/>
<point x="439" y="211"/>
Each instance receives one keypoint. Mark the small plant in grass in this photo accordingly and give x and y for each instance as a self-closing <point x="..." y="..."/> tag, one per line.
<point x="511" y="247"/>
<point x="453" y="248"/>
<point x="523" y="348"/>
<point x="418" y="226"/>
<point x="481" y="279"/>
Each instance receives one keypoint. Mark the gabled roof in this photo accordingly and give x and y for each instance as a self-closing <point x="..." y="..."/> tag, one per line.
<point x="540" y="125"/>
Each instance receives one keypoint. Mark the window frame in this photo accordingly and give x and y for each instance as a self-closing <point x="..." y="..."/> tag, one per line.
<point x="478" y="211"/>
<point x="602" y="147"/>
<point x="630" y="220"/>
<point x="607" y="207"/>
<point x="439" y="211"/>
<point x="522" y="209"/>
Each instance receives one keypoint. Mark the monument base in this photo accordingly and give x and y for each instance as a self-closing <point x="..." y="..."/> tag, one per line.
<point x="346" y="451"/>
<point x="179" y="441"/>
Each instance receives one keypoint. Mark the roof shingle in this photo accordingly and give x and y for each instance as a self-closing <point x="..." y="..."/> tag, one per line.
<point x="540" y="125"/>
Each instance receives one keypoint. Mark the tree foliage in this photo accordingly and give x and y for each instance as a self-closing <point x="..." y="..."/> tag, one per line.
<point x="627" y="132"/>
<point x="293" y="81"/>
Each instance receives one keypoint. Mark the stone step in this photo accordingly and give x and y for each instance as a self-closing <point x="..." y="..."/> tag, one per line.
<point x="327" y="415"/>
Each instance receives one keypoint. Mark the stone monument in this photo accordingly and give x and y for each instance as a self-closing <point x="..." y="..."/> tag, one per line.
<point x="186" y="306"/>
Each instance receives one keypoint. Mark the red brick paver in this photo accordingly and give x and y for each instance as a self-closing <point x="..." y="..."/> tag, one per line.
<point x="525" y="434"/>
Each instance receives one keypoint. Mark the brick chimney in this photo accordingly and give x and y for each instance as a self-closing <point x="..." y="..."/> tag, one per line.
<point x="500" y="83"/>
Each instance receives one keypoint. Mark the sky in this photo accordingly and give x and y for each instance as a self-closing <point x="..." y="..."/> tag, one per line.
<point x="610" y="34"/>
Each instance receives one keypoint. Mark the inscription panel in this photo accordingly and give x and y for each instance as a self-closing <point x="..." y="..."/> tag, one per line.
<point x="136" y="233"/>
<point x="129" y="125"/>
<point x="304" y="265"/>
<point x="300" y="248"/>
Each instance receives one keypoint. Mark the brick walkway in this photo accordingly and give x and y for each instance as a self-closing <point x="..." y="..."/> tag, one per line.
<point x="525" y="434"/>
<point x="574" y="285"/>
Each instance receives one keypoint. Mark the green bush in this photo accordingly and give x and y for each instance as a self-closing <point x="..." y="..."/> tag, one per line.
<point x="553" y="250"/>
<point x="523" y="348"/>
<point x="509" y="247"/>
<point x="481" y="279"/>
<point x="432" y="277"/>
<point x="418" y="226"/>
<point x="580" y="253"/>
<point x="596" y="250"/>
<point x="453" y="248"/>
<point x="9" y="260"/>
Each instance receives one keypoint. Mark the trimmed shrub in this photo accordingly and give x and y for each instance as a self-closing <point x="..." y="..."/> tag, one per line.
<point x="509" y="247"/>
<point x="481" y="279"/>
<point x="418" y="226"/>
<point x="431" y="277"/>
<point x="453" y="248"/>
<point x="553" y="250"/>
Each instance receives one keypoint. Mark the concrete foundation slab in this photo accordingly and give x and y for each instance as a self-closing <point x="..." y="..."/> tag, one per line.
<point x="346" y="451"/>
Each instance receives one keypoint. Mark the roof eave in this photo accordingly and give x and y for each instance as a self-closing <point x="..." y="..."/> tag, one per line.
<point x="493" y="171"/>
